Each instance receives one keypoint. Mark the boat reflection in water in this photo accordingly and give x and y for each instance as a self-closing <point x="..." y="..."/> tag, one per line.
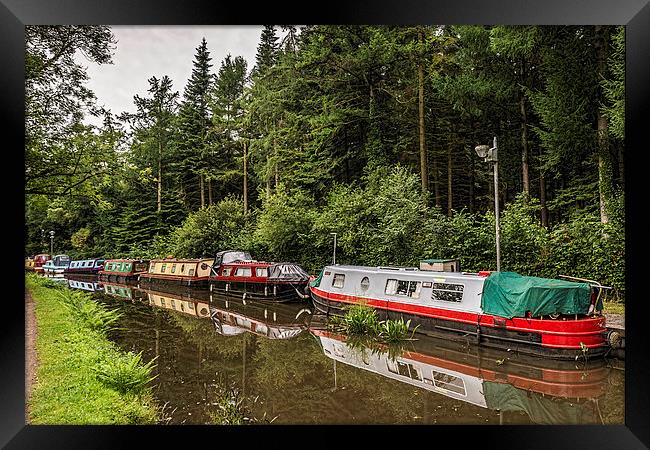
<point x="230" y="316"/>
<point x="566" y="393"/>
<point x="84" y="283"/>
<point x="269" y="319"/>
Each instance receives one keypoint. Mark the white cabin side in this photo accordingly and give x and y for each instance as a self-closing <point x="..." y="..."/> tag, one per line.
<point x="446" y="290"/>
<point x="441" y="380"/>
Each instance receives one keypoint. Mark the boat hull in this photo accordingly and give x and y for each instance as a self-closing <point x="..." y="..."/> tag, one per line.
<point x="276" y="292"/>
<point x="569" y="340"/>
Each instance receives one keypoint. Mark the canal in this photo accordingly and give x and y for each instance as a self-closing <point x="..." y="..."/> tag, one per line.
<point x="226" y="360"/>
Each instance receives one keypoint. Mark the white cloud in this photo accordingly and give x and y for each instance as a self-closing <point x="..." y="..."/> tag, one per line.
<point x="146" y="51"/>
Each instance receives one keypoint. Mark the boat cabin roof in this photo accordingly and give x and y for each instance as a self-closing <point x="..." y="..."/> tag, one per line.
<point x="248" y="263"/>
<point x="401" y="270"/>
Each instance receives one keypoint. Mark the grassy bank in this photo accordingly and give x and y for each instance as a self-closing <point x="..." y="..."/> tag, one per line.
<point x="82" y="377"/>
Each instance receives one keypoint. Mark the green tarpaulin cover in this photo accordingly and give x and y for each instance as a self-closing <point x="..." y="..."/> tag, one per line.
<point x="508" y="294"/>
<point x="541" y="410"/>
<point x="316" y="281"/>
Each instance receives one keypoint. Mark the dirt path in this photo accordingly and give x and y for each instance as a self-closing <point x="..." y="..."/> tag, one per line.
<point x="30" y="350"/>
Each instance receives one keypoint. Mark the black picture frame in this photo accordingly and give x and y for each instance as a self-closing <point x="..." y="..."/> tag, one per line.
<point x="635" y="14"/>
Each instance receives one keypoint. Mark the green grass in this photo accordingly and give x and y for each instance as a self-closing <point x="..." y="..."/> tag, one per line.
<point x="613" y="307"/>
<point x="82" y="377"/>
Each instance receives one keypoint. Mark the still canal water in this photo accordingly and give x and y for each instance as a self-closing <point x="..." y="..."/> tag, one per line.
<point x="278" y="364"/>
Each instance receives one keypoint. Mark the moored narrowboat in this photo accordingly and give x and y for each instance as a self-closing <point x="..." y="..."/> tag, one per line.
<point x="29" y="264"/>
<point x="538" y="316"/>
<point x="58" y="264"/>
<point x="39" y="261"/>
<point x="85" y="266"/>
<point x="185" y="272"/>
<point x="260" y="280"/>
<point x="123" y="269"/>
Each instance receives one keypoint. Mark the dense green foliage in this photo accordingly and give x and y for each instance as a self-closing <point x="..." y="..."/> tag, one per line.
<point x="324" y="136"/>
<point x="82" y="377"/>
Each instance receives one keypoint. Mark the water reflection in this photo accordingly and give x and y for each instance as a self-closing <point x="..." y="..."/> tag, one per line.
<point x="229" y="315"/>
<point x="557" y="394"/>
<point x="84" y="283"/>
<point x="284" y="364"/>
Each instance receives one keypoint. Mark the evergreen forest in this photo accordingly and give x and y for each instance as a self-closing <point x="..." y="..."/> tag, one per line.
<point x="368" y="132"/>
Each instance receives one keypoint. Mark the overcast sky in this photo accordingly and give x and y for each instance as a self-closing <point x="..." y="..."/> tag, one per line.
<point x="146" y="51"/>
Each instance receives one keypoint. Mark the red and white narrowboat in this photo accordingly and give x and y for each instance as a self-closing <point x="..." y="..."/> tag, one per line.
<point x="538" y="316"/>
<point x="549" y="392"/>
<point x="123" y="269"/>
<point x="260" y="280"/>
<point x="39" y="261"/>
<point x="183" y="272"/>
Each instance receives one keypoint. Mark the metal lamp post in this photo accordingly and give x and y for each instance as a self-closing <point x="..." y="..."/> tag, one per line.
<point x="334" y="253"/>
<point x="490" y="155"/>
<point x="52" y="243"/>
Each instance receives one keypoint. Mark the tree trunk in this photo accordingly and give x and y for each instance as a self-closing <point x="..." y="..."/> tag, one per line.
<point x="524" y="144"/>
<point x="471" y="183"/>
<point x="245" y="182"/>
<point x="542" y="200"/>
<point x="209" y="191"/>
<point x="202" y="189"/>
<point x="449" y="170"/>
<point x="604" y="158"/>
<point x="423" y="151"/>
<point x="268" y="179"/>
<point x="436" y="183"/>
<point x="159" y="176"/>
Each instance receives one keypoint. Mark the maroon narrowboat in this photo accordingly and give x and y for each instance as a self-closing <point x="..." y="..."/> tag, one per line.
<point x="39" y="260"/>
<point x="261" y="280"/>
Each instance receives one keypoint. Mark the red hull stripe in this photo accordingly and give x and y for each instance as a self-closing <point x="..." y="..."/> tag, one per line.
<point x="557" y="333"/>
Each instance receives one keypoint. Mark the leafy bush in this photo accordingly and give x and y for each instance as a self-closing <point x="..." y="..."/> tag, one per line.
<point x="127" y="373"/>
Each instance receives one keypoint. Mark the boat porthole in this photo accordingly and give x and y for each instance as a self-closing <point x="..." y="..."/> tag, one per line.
<point x="365" y="282"/>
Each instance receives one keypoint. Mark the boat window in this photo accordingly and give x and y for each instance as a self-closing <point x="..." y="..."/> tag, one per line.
<point x="261" y="272"/>
<point x="448" y="382"/>
<point x="243" y="272"/>
<point x="173" y="268"/>
<point x="403" y="369"/>
<point x="365" y="282"/>
<point x="127" y="267"/>
<point x="191" y="272"/>
<point x="162" y="269"/>
<point x="152" y="267"/>
<point x="448" y="292"/>
<point x="182" y="267"/>
<point x="403" y="287"/>
<point x="226" y="271"/>
<point x="339" y="280"/>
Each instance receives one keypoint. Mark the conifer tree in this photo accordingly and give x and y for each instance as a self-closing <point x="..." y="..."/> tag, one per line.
<point x="194" y="142"/>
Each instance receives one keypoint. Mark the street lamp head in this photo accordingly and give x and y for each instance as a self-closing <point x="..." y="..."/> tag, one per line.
<point x="482" y="150"/>
<point x="52" y="233"/>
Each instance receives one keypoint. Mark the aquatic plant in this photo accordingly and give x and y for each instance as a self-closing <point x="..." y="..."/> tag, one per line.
<point x="394" y="330"/>
<point x="358" y="319"/>
<point x="127" y="373"/>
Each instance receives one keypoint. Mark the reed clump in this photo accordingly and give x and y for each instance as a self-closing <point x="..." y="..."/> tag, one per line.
<point x="363" y="320"/>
